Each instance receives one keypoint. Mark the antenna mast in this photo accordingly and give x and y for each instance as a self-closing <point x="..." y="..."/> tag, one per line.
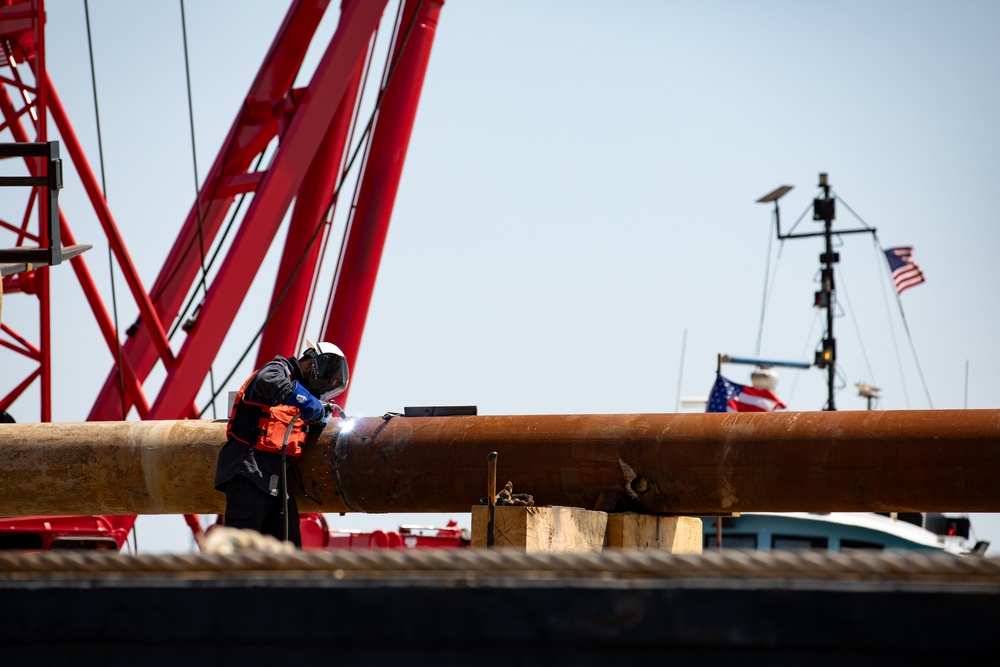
<point x="824" y="209"/>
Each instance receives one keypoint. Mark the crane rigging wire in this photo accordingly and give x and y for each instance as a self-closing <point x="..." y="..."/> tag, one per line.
<point x="104" y="194"/>
<point x="197" y="189"/>
<point x="344" y="167"/>
<point x="220" y="242"/>
<point x="321" y="223"/>
<point x="179" y="322"/>
<point x="111" y="268"/>
<point x="180" y="319"/>
<point x="387" y="76"/>
<point x="231" y="139"/>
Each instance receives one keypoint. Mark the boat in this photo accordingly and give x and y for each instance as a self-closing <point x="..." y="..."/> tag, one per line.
<point x="844" y="532"/>
<point x="835" y="531"/>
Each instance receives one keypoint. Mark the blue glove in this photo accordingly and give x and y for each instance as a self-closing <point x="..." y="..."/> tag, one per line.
<point x="309" y="405"/>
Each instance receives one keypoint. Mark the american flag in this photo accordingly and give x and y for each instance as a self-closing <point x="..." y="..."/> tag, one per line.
<point x="905" y="272"/>
<point x="728" y="396"/>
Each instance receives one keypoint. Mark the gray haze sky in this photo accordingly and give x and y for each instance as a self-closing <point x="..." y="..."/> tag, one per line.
<point x="579" y="193"/>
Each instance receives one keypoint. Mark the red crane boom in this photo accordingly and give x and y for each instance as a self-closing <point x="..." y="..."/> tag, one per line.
<point x="306" y="132"/>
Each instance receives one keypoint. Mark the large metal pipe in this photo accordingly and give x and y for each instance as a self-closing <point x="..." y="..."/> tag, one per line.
<point x="934" y="460"/>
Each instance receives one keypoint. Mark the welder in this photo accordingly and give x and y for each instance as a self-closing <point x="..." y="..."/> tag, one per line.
<point x="268" y="425"/>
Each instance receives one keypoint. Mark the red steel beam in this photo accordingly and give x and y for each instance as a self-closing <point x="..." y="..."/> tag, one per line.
<point x="75" y="151"/>
<point x="300" y="257"/>
<point x="254" y="128"/>
<point x="369" y="226"/>
<point x="134" y="388"/>
<point x="277" y="188"/>
<point x="24" y="42"/>
<point x="693" y="464"/>
<point x="16" y="392"/>
<point x="33" y="45"/>
<point x="41" y="108"/>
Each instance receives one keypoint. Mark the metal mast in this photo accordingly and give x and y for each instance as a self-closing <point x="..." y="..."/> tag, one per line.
<point x="824" y="209"/>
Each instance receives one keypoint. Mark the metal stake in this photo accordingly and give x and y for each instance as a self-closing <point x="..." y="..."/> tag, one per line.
<point x="491" y="497"/>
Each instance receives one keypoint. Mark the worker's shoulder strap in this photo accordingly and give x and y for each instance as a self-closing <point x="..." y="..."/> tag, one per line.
<point x="240" y="395"/>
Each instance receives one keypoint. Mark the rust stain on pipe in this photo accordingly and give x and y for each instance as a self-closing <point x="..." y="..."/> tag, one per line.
<point x="152" y="467"/>
<point x="934" y="460"/>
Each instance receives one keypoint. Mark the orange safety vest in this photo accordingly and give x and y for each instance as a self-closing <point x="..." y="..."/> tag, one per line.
<point x="264" y="427"/>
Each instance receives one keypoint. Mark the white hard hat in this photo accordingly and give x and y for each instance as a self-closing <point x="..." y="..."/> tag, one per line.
<point x="329" y="375"/>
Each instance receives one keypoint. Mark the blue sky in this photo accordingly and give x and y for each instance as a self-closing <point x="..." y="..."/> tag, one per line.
<point x="579" y="199"/>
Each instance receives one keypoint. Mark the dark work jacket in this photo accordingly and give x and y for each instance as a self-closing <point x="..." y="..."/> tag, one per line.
<point x="273" y="385"/>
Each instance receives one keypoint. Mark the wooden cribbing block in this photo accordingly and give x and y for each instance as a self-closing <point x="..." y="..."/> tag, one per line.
<point x="541" y="529"/>
<point x="673" y="534"/>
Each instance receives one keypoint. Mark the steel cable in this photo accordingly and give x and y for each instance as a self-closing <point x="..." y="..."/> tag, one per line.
<point x="104" y="194"/>
<point x="197" y="189"/>
<point x="322" y="222"/>
<point x="913" y="567"/>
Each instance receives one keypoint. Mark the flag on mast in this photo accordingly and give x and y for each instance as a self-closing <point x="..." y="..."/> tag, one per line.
<point x="905" y="272"/>
<point x="728" y="396"/>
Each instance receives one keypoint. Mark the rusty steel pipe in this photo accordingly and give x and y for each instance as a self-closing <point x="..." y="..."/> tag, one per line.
<point x="934" y="460"/>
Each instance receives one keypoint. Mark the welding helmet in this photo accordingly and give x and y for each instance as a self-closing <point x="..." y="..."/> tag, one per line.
<point x="328" y="375"/>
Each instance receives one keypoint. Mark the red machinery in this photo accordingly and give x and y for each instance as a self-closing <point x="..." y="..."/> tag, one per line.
<point x="307" y="131"/>
<point x="317" y="535"/>
<point x="42" y="533"/>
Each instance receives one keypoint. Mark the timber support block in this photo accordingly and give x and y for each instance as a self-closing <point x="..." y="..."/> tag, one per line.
<point x="541" y="529"/>
<point x="673" y="534"/>
<point x="567" y="529"/>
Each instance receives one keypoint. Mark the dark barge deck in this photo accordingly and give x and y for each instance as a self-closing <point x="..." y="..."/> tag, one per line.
<point x="464" y="607"/>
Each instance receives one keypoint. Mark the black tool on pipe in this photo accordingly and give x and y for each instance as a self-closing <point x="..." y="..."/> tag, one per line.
<point x="491" y="496"/>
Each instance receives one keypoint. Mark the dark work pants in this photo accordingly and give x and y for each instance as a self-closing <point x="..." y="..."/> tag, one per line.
<point x="249" y="507"/>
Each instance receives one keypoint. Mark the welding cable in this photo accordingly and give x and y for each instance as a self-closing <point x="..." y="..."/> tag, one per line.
<point x="179" y="322"/>
<point x="284" y="472"/>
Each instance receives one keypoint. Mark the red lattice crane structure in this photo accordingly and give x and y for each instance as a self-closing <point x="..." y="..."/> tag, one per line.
<point x="306" y="130"/>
